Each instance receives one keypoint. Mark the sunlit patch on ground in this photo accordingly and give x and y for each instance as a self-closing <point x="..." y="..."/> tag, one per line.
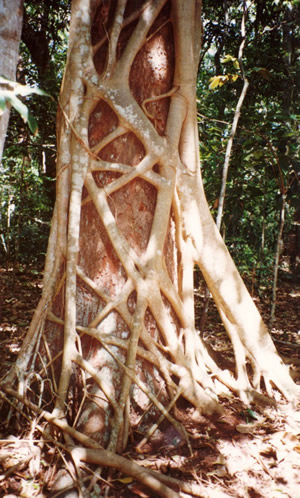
<point x="248" y="452"/>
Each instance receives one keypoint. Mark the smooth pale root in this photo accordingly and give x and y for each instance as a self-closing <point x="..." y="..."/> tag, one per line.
<point x="152" y="480"/>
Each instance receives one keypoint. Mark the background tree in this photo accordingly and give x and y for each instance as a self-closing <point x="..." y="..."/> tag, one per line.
<point x="10" y="33"/>
<point x="28" y="168"/>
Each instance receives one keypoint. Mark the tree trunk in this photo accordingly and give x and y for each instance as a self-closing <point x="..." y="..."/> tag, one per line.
<point x="11" y="16"/>
<point x="277" y="257"/>
<point x="114" y="333"/>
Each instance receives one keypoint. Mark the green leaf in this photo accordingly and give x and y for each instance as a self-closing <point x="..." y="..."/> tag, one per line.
<point x="228" y="58"/>
<point x="23" y="90"/>
<point x="32" y="123"/>
<point x="2" y="103"/>
<point x="8" y="93"/>
<point x="221" y="80"/>
<point x="258" y="154"/>
<point x="19" y="106"/>
<point x="233" y="77"/>
<point x="214" y="82"/>
<point x="252" y="413"/>
<point x="24" y="112"/>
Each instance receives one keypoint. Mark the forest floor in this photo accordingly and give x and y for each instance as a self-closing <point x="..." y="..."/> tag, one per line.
<point x="248" y="452"/>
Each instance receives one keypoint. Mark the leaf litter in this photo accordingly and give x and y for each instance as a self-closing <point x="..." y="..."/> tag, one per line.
<point x="249" y="452"/>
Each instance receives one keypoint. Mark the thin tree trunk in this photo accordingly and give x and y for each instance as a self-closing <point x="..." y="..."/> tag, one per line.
<point x="235" y="121"/>
<point x="277" y="257"/>
<point x="262" y="238"/>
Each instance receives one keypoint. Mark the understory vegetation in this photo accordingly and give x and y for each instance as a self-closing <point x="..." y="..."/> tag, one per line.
<point x="264" y="162"/>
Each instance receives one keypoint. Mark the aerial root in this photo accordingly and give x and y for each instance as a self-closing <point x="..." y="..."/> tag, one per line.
<point x="52" y="419"/>
<point x="271" y="371"/>
<point x="162" y="485"/>
<point x="156" y="425"/>
<point x="249" y="389"/>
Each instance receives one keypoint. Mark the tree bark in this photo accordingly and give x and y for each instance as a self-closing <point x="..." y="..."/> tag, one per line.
<point x="114" y="333"/>
<point x="277" y="257"/>
<point x="11" y="16"/>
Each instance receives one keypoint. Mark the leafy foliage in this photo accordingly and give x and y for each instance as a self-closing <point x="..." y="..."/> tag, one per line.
<point x="9" y="92"/>
<point x="25" y="209"/>
<point x="264" y="161"/>
<point x="28" y="167"/>
<point x="265" y="158"/>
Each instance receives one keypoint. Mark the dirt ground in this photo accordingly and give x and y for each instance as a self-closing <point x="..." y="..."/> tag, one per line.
<point x="249" y="452"/>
